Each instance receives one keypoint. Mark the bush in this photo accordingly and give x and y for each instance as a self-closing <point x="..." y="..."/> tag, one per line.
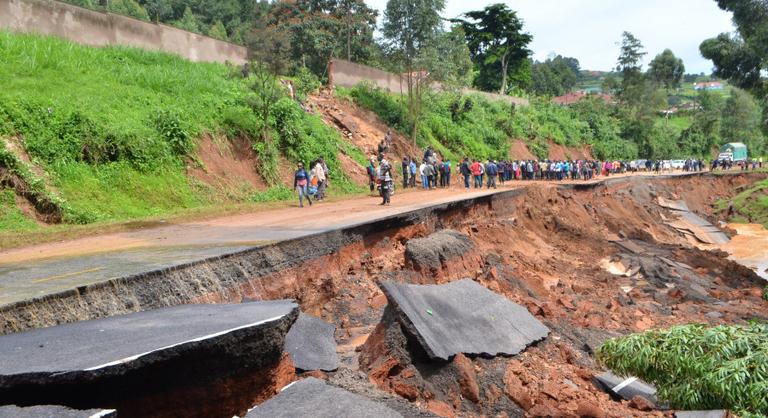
<point x="696" y="367"/>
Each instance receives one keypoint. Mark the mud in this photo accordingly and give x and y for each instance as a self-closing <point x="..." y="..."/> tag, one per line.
<point x="539" y="246"/>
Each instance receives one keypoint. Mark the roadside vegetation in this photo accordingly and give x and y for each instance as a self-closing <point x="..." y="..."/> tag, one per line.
<point x="115" y="129"/>
<point x="695" y="367"/>
<point x="749" y="206"/>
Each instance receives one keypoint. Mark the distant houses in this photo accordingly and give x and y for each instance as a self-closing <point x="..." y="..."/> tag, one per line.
<point x="708" y="85"/>
<point x="577" y="96"/>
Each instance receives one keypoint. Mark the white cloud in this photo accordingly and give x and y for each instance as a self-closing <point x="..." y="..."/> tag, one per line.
<point x="590" y="29"/>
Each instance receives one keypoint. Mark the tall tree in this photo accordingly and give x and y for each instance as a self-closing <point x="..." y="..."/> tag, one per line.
<point x="742" y="120"/>
<point x="630" y="65"/>
<point x="499" y="47"/>
<point x="410" y="25"/>
<point x="555" y="76"/>
<point x="742" y="59"/>
<point x="666" y="69"/>
<point x="359" y="22"/>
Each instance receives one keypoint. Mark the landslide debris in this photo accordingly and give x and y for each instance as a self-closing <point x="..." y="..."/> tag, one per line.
<point x="311" y="344"/>
<point x="429" y="254"/>
<point x="189" y="360"/>
<point x="462" y="317"/>
<point x="313" y="397"/>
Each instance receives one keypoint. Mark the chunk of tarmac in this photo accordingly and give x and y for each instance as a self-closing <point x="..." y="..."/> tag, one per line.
<point x="626" y="388"/>
<point x="719" y="413"/>
<point x="312" y="345"/>
<point x="463" y="317"/>
<point x="148" y="363"/>
<point x="312" y="397"/>
<point x="53" y="411"/>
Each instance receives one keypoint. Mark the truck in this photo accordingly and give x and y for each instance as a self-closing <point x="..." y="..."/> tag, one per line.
<point x="733" y="151"/>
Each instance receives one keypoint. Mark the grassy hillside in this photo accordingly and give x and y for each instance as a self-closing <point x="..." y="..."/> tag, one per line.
<point x="114" y="129"/>
<point x="750" y="205"/>
<point x="458" y="126"/>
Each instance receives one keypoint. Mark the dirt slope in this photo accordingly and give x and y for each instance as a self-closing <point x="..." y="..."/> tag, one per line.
<point x="362" y="127"/>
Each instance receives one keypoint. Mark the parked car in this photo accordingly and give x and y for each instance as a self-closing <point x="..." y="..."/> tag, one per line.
<point x="677" y="164"/>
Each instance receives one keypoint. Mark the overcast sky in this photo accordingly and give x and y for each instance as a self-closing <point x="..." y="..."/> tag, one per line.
<point x="590" y="29"/>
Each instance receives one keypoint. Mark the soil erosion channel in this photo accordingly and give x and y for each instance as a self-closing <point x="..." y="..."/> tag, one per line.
<point x="588" y="261"/>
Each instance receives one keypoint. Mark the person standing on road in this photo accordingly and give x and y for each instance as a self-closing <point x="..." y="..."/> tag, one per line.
<point x="386" y="182"/>
<point x="429" y="173"/>
<point x="300" y="181"/>
<point x="465" y="172"/>
<point x="371" y="170"/>
<point x="412" y="170"/>
<point x="423" y="174"/>
<point x="477" y="173"/>
<point x="447" y="165"/>
<point x="491" y="171"/>
<point x="321" y="180"/>
<point x="405" y="170"/>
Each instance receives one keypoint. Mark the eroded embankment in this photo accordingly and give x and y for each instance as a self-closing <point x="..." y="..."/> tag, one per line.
<point x="539" y="246"/>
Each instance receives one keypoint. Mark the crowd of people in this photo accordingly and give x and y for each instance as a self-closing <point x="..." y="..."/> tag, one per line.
<point x="432" y="172"/>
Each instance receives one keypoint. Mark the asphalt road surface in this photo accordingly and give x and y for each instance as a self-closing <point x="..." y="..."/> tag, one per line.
<point x="101" y="343"/>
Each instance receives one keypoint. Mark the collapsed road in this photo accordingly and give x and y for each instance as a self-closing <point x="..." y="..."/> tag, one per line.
<point x="537" y="248"/>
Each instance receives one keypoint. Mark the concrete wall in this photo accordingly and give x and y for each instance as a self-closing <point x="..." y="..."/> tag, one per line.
<point x="348" y="74"/>
<point x="94" y="28"/>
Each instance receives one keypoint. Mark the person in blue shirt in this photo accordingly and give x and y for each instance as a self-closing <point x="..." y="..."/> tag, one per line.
<point x="491" y="170"/>
<point x="413" y="168"/>
<point x="300" y="181"/>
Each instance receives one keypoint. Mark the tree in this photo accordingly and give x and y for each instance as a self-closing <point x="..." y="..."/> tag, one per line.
<point x="447" y="59"/>
<point x="159" y="10"/>
<point x="188" y="21"/>
<point x="555" y="76"/>
<point x="218" y="31"/>
<point x="742" y="120"/>
<point x="128" y="8"/>
<point x="499" y="47"/>
<point x="666" y="69"/>
<point x="630" y="66"/>
<point x="359" y="21"/>
<point x="742" y="58"/>
<point x="410" y="25"/>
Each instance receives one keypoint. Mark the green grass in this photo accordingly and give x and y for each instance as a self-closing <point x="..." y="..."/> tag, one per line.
<point x="11" y="218"/>
<point x="750" y="205"/>
<point x="114" y="127"/>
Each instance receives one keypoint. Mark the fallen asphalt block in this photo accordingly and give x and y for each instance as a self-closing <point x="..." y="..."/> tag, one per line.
<point x="311" y="344"/>
<point x="691" y="224"/>
<point x="147" y="363"/>
<point x="720" y="413"/>
<point x="313" y="397"/>
<point x="626" y="388"/>
<point x="53" y="411"/>
<point x="463" y="317"/>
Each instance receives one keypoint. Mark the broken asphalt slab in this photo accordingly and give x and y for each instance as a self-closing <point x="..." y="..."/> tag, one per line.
<point x="720" y="413"/>
<point x="626" y="388"/>
<point x="689" y="223"/>
<point x="463" y="317"/>
<point x="117" y="361"/>
<point x="53" y="411"/>
<point x="311" y="344"/>
<point x="314" y="398"/>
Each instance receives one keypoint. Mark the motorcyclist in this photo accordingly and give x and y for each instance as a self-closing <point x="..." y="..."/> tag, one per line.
<point x="385" y="181"/>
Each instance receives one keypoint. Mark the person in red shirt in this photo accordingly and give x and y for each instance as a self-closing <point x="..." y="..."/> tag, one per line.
<point x="477" y="173"/>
